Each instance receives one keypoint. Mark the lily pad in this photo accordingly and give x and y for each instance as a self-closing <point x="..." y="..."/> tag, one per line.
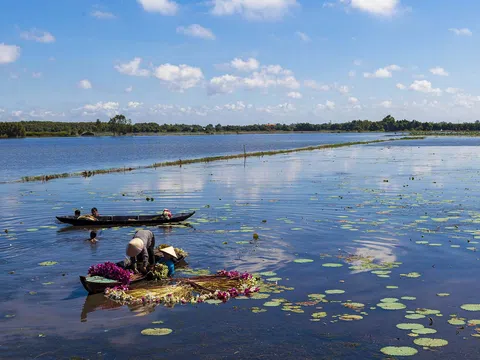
<point x="429" y="342"/>
<point x="157" y="322"/>
<point x="408" y="298"/>
<point x="399" y="351"/>
<point x="156" y="332"/>
<point x="391" y="287"/>
<point x="456" y="322"/>
<point x="274" y="279"/>
<point x="391" y="306"/>
<point x="471" y="307"/>
<point x="272" y="303"/>
<point x="316" y="296"/>
<point x="473" y="322"/>
<point x="213" y="301"/>
<point x="319" y="315"/>
<point x="48" y="263"/>
<point x="354" y="305"/>
<point x="427" y="312"/>
<point x="424" y="331"/>
<point x="443" y="294"/>
<point x="302" y="261"/>
<point x="260" y="296"/>
<point x="32" y="229"/>
<point x="350" y="317"/>
<point x="409" y="326"/>
<point x="389" y="300"/>
<point x="332" y="265"/>
<point x="268" y="273"/>
<point x="411" y="275"/>
<point x="414" y="316"/>
<point x="334" y="292"/>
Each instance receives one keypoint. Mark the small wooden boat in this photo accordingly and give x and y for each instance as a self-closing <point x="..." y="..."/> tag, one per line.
<point x="126" y="220"/>
<point x="96" y="284"/>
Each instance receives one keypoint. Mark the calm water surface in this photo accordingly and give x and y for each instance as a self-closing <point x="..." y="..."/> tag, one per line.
<point x="40" y="156"/>
<point x="411" y="202"/>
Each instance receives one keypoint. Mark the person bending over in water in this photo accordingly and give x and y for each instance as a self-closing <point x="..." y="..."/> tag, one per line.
<point x="141" y="248"/>
<point x="93" y="237"/>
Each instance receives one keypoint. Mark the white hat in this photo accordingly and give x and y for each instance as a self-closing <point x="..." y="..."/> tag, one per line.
<point x="170" y="251"/>
<point x="135" y="247"/>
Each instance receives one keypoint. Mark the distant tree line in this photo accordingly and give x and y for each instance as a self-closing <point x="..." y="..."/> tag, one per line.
<point x="120" y="125"/>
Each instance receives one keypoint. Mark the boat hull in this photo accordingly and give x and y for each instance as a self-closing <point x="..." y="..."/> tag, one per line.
<point x="125" y="220"/>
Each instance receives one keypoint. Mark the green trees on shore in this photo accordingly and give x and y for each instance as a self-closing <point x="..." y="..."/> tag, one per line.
<point x="120" y="125"/>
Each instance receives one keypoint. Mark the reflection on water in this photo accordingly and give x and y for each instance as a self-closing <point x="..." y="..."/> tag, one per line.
<point x="393" y="204"/>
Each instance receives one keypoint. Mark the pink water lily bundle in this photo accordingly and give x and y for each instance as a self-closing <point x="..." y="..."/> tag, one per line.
<point x="110" y="271"/>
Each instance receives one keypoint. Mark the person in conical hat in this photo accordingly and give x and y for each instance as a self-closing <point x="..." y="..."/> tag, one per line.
<point x="168" y="255"/>
<point x="141" y="248"/>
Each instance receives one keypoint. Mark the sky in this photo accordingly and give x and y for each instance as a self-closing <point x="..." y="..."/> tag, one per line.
<point x="239" y="61"/>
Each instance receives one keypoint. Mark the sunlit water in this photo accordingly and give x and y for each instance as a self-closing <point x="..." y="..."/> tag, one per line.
<point x="375" y="200"/>
<point x="43" y="156"/>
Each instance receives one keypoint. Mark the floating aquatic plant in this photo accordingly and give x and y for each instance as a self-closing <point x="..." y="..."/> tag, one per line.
<point x="391" y="306"/>
<point x="332" y="265"/>
<point x="399" y="351"/>
<point x="409" y="326"/>
<point x="456" y="322"/>
<point x="443" y="294"/>
<point x="48" y="263"/>
<point x="411" y="275"/>
<point x="424" y="331"/>
<point x="302" y="261"/>
<point x="319" y="315"/>
<point x="156" y="332"/>
<point x="429" y="342"/>
<point x="334" y="292"/>
<point x="350" y="317"/>
<point x="414" y="316"/>
<point x="471" y="307"/>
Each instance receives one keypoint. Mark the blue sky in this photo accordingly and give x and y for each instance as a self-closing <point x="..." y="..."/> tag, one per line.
<point x="239" y="61"/>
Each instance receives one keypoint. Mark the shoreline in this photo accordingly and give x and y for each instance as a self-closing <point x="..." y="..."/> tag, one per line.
<point x="180" y="162"/>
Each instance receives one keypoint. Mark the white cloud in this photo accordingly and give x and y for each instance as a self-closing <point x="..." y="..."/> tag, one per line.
<point x="225" y="84"/>
<point x="196" y="30"/>
<point x="102" y="15"/>
<point x="304" y="37"/>
<point x="329" y="105"/>
<point x="254" y="9"/>
<point x="466" y="100"/>
<point x="357" y="62"/>
<point x="451" y="90"/>
<point x="38" y="36"/>
<point x="353" y="100"/>
<point x="129" y="89"/>
<point x="329" y="4"/>
<point x="343" y="89"/>
<point x="294" y="95"/>
<point x="425" y="87"/>
<point x="376" y="7"/>
<point x="179" y="78"/>
<point x="109" y="108"/>
<point x="164" y="7"/>
<point x="352" y="73"/>
<point x="383" y="73"/>
<point x="266" y="77"/>
<point x="37" y="75"/>
<point x="401" y="86"/>
<point x="387" y="104"/>
<point x="312" y="84"/>
<point x="460" y="32"/>
<point x="84" y="84"/>
<point x="132" y="68"/>
<point x="439" y="71"/>
<point x="280" y="109"/>
<point x="134" y="104"/>
<point x="9" y="53"/>
<point x="17" y="113"/>
<point x="248" y="65"/>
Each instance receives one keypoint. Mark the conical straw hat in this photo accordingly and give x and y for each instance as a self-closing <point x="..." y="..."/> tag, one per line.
<point x="135" y="247"/>
<point x="170" y="251"/>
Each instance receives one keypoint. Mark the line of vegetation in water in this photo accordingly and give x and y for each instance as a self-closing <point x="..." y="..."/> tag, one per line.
<point x="120" y="125"/>
<point x="446" y="133"/>
<point x="180" y="162"/>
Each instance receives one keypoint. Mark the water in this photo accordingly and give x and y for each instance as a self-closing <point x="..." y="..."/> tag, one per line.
<point x="41" y="156"/>
<point x="374" y="201"/>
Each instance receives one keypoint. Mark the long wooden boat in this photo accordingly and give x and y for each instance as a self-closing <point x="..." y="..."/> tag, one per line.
<point x="95" y="284"/>
<point x="126" y="220"/>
